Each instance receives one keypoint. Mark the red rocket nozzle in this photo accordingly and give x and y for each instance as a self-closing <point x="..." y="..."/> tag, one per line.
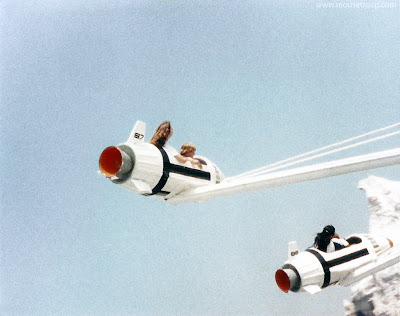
<point x="110" y="161"/>
<point x="282" y="280"/>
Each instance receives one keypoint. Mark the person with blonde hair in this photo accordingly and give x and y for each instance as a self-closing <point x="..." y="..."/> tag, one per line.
<point x="188" y="150"/>
<point x="160" y="138"/>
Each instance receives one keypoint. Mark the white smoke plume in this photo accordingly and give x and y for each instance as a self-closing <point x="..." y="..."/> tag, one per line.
<point x="379" y="294"/>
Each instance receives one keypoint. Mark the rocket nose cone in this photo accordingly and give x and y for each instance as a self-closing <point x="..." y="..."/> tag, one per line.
<point x="282" y="280"/>
<point x="110" y="161"/>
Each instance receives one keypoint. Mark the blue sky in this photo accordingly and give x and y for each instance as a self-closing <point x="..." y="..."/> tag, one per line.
<point x="249" y="82"/>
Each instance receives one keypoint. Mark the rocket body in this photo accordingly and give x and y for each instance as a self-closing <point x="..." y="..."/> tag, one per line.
<point x="313" y="269"/>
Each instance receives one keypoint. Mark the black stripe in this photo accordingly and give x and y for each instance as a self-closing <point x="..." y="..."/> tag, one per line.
<point x="326" y="265"/>
<point x="349" y="257"/>
<point x="327" y="272"/>
<point x="165" y="175"/>
<point x="168" y="167"/>
<point x="190" y="172"/>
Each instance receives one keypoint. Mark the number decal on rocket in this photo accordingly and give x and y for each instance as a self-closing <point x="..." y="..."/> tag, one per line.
<point x="139" y="136"/>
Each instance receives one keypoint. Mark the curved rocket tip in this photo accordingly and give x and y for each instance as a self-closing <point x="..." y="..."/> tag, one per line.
<point x="282" y="280"/>
<point x="110" y="161"/>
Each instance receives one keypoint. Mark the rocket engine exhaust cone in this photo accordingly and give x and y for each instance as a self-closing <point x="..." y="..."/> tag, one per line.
<point x="110" y="161"/>
<point x="282" y="280"/>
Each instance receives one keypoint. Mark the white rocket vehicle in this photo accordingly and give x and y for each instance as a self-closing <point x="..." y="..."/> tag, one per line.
<point x="312" y="270"/>
<point x="149" y="170"/>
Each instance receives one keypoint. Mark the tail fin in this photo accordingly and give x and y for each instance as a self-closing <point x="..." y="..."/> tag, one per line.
<point x="138" y="133"/>
<point x="312" y="288"/>
<point x="293" y="250"/>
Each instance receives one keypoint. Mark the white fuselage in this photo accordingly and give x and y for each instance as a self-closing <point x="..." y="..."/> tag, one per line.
<point x="314" y="269"/>
<point x="154" y="171"/>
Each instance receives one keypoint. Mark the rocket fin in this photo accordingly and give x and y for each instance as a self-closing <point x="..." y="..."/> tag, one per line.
<point x="293" y="250"/>
<point x="312" y="288"/>
<point x="141" y="187"/>
<point x="138" y="133"/>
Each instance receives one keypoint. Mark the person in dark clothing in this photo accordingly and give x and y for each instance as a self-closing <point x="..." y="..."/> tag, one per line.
<point x="328" y="240"/>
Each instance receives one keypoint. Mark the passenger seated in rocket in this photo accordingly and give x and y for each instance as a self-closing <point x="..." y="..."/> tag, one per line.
<point x="328" y="240"/>
<point x="188" y="150"/>
<point x="163" y="133"/>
